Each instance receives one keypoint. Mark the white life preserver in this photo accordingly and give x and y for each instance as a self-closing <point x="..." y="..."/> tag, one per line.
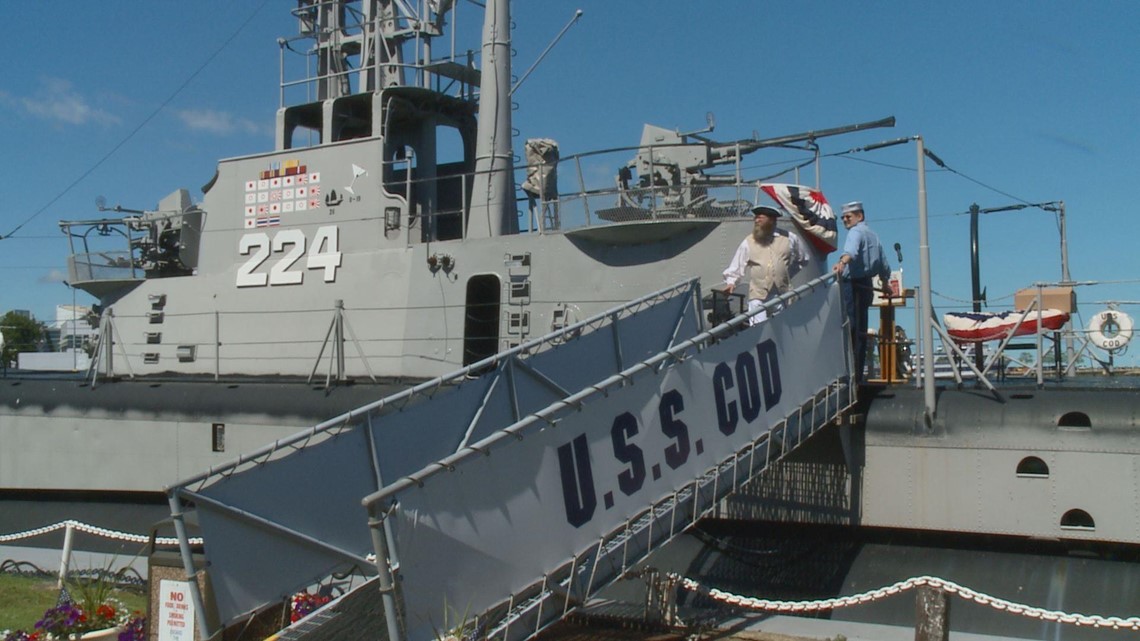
<point x="1110" y="330"/>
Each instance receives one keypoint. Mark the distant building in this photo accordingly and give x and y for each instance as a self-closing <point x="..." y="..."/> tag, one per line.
<point x="71" y="332"/>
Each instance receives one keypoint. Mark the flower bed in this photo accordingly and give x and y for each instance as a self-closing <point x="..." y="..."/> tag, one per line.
<point x="304" y="603"/>
<point x="108" y="620"/>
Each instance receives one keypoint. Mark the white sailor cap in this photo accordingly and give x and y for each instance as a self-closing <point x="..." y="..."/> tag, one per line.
<point x="854" y="205"/>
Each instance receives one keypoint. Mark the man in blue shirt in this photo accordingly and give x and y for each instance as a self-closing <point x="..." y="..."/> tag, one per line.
<point x="862" y="259"/>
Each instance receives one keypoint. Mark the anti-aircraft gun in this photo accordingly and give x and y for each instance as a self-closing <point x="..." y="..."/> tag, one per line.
<point x="668" y="177"/>
<point x="110" y="255"/>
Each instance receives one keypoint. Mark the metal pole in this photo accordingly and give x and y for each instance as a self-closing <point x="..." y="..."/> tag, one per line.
<point x="110" y="344"/>
<point x="738" y="173"/>
<point x="582" y="187"/>
<point x="376" y="522"/>
<point x="1065" y="278"/>
<point x="919" y="380"/>
<point x="74" y="313"/>
<point x="1040" y="333"/>
<point x="975" y="276"/>
<point x="217" y="346"/>
<point x="573" y="21"/>
<point x="65" y="559"/>
<point x="925" y="331"/>
<point x="339" y="338"/>
<point x="1064" y="244"/>
<point x="409" y="156"/>
<point x="188" y="564"/>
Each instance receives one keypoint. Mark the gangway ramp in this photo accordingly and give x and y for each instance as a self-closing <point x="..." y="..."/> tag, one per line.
<point x="516" y="496"/>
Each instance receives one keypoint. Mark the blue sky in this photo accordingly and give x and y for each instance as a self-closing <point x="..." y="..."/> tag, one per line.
<point x="1030" y="101"/>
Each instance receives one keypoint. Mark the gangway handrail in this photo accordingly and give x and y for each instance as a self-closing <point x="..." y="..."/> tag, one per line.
<point x="381" y="504"/>
<point x="517" y="429"/>
<point x="428" y="386"/>
<point x="656" y="356"/>
<point x="194" y="490"/>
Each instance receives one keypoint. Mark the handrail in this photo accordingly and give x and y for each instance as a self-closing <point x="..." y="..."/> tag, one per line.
<point x="643" y="530"/>
<point x="542" y="418"/>
<point x="429" y="387"/>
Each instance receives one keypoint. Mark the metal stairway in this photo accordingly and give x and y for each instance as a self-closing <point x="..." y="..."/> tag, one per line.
<point x="513" y="497"/>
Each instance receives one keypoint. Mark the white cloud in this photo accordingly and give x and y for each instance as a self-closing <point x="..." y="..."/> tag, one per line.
<point x="58" y="101"/>
<point x="216" y="122"/>
<point x="53" y="276"/>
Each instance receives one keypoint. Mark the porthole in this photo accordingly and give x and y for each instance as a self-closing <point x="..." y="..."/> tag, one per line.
<point x="1033" y="467"/>
<point x="1074" y="419"/>
<point x="1077" y="520"/>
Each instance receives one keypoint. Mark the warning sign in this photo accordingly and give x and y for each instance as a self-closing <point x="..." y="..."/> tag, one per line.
<point x="175" y="611"/>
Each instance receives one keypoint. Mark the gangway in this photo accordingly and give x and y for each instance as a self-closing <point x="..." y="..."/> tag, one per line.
<point x="516" y="495"/>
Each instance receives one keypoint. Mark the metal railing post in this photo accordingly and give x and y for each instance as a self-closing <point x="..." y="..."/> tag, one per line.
<point x="376" y="523"/>
<point x="217" y="345"/>
<point x="1040" y="334"/>
<point x="188" y="565"/>
<point x="925" y="329"/>
<point x="65" y="558"/>
<point x="582" y="189"/>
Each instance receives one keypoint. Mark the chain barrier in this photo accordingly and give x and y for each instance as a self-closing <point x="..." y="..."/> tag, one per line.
<point x="126" y="577"/>
<point x="95" y="531"/>
<point x="1096" y="621"/>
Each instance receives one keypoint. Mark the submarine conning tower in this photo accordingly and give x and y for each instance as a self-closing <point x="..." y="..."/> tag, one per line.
<point x="375" y="76"/>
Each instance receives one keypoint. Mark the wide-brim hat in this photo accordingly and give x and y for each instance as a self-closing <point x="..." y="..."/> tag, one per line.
<point x="765" y="209"/>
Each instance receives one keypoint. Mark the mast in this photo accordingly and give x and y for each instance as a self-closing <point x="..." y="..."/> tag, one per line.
<point x="492" y="203"/>
<point x="333" y="81"/>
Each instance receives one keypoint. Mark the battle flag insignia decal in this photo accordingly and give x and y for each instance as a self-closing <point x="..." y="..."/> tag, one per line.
<point x="282" y="188"/>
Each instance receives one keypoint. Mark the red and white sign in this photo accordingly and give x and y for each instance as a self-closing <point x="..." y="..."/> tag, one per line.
<point x="175" y="611"/>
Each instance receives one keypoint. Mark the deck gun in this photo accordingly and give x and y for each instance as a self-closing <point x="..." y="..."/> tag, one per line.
<point x="671" y="165"/>
<point x="113" y="254"/>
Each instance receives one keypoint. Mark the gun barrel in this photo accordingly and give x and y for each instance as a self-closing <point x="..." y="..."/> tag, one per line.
<point x="749" y="146"/>
<point x="823" y="133"/>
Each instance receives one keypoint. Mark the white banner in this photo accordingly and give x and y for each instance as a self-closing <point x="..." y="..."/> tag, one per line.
<point x="497" y="523"/>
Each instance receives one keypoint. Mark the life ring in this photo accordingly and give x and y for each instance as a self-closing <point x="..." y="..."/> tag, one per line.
<point x="1110" y="330"/>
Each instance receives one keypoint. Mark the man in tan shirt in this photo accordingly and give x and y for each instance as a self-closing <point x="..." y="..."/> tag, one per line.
<point x="769" y="257"/>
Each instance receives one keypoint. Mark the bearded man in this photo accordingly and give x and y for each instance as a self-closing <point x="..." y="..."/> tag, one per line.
<point x="770" y="257"/>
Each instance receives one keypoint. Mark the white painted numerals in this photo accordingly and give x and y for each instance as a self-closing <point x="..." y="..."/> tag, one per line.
<point x="290" y="244"/>
<point x="326" y="252"/>
<point x="258" y="244"/>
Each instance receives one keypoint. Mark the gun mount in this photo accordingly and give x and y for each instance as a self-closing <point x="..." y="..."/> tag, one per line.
<point x="145" y="244"/>
<point x="670" y="170"/>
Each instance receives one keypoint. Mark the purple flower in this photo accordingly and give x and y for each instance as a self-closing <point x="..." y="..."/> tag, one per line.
<point x="135" y="630"/>
<point x="63" y="620"/>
